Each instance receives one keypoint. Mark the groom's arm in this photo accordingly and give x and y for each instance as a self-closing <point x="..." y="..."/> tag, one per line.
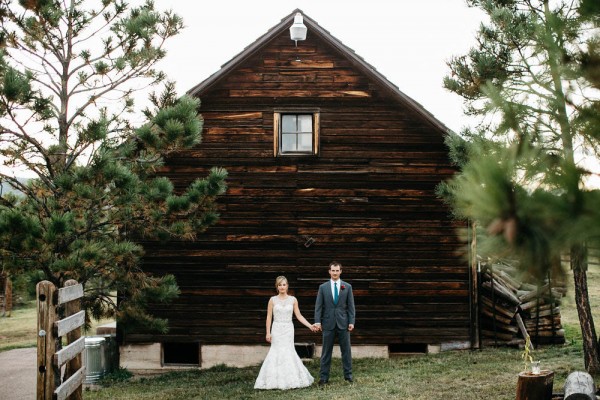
<point x="351" y="310"/>
<point x="319" y="306"/>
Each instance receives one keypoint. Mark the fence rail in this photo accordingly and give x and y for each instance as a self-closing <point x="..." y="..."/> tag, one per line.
<point x="51" y="356"/>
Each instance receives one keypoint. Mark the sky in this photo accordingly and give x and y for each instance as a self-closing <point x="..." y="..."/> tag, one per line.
<point x="408" y="41"/>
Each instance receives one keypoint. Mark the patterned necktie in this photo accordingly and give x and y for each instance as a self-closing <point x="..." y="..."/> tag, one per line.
<point x="335" y="293"/>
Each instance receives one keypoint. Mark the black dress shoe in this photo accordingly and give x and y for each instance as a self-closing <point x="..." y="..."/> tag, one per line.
<point x="322" y="382"/>
<point x="349" y="380"/>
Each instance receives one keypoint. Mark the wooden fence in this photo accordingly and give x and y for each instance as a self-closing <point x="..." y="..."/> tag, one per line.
<point x="6" y="295"/>
<point x="51" y="356"/>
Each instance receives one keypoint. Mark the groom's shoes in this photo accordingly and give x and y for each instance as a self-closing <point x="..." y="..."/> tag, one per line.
<point x="349" y="380"/>
<point x="322" y="382"/>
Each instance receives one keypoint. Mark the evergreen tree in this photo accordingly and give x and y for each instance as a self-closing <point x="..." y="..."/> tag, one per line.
<point x="526" y="169"/>
<point x="68" y="72"/>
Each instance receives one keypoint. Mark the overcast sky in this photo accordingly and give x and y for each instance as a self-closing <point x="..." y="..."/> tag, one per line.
<point x="408" y="41"/>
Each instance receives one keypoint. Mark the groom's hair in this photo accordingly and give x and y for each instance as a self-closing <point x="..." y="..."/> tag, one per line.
<point x="335" y="264"/>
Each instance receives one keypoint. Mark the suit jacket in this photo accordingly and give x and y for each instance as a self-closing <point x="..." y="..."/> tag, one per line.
<point x="330" y="315"/>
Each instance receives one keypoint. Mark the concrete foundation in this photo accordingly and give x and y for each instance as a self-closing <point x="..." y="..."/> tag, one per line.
<point x="357" y="351"/>
<point x="233" y="356"/>
<point x="141" y="356"/>
<point x="147" y="358"/>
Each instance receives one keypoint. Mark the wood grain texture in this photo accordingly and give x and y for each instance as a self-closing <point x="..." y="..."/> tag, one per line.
<point x="367" y="199"/>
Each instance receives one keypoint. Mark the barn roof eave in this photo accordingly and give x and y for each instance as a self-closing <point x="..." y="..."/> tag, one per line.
<point x="356" y="60"/>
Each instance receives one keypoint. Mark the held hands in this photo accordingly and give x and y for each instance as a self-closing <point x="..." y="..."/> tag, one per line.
<point x="317" y="328"/>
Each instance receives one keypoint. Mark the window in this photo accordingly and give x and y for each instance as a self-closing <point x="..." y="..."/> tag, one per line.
<point x="296" y="132"/>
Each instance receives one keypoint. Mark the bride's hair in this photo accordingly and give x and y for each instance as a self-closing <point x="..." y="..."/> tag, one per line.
<point x="280" y="279"/>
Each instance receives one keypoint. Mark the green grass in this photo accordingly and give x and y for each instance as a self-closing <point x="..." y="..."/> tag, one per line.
<point x="20" y="329"/>
<point x="486" y="374"/>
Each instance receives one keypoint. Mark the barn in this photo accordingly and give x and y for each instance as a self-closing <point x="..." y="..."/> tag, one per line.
<point x="327" y="160"/>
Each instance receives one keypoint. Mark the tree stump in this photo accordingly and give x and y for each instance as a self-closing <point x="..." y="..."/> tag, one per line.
<point x="535" y="386"/>
<point x="580" y="386"/>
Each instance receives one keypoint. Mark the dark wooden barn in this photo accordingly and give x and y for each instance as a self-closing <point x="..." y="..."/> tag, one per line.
<point x="327" y="160"/>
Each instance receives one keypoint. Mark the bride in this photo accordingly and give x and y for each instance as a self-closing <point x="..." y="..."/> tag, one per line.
<point x="282" y="368"/>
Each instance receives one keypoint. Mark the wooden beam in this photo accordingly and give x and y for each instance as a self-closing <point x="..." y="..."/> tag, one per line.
<point x="70" y="323"/>
<point x="524" y="332"/>
<point x="74" y="338"/>
<point x="70" y="293"/>
<point x="69" y="352"/>
<point x="70" y="385"/>
<point x="46" y="341"/>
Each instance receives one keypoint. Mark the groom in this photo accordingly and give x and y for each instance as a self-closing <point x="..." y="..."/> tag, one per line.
<point x="334" y="315"/>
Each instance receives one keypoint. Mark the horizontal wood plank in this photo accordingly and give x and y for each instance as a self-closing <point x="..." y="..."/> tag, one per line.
<point x="69" y="352"/>
<point x="70" y="323"/>
<point x="70" y="385"/>
<point x="70" y="293"/>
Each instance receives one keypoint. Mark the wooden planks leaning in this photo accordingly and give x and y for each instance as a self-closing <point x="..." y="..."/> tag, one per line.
<point x="511" y="308"/>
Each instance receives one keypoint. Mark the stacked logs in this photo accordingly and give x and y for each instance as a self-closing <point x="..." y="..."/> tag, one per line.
<point x="511" y="309"/>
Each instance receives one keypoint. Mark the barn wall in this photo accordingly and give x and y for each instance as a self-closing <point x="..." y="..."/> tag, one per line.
<point x="367" y="200"/>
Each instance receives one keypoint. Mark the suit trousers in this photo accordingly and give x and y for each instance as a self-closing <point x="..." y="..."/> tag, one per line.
<point x="328" y="340"/>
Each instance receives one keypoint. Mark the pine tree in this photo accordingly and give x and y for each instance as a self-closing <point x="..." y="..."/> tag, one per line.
<point x="525" y="170"/>
<point x="68" y="73"/>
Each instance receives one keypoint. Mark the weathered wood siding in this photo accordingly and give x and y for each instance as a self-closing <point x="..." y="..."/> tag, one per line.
<point x="366" y="200"/>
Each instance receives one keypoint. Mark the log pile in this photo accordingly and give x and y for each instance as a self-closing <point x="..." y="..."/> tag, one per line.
<point x="511" y="308"/>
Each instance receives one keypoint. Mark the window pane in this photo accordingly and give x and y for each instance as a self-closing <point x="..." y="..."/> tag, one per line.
<point x="305" y="123"/>
<point x="288" y="143"/>
<point x="305" y="142"/>
<point x="288" y="123"/>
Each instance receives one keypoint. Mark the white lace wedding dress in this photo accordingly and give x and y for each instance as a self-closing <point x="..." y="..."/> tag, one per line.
<point x="282" y="368"/>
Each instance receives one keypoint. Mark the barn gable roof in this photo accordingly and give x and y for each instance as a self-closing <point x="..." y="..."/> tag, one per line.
<point x="316" y="29"/>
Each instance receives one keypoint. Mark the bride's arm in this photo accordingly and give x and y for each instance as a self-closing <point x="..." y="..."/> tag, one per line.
<point x="269" y="319"/>
<point x="299" y="316"/>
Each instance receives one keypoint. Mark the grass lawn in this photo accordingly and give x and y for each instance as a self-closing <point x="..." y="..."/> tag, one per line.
<point x="488" y="374"/>
<point x="481" y="374"/>
<point x="20" y="329"/>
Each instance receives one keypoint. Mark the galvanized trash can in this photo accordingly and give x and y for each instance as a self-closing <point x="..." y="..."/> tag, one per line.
<point x="100" y="357"/>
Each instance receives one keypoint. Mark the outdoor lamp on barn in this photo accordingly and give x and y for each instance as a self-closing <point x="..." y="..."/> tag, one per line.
<point x="298" y="29"/>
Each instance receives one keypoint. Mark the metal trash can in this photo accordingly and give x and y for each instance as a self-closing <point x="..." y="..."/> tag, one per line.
<point x="100" y="358"/>
<point x="95" y="359"/>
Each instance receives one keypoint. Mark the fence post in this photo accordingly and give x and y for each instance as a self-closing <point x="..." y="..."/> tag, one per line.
<point x="73" y="307"/>
<point x="46" y="340"/>
<point x="474" y="285"/>
<point x="8" y="297"/>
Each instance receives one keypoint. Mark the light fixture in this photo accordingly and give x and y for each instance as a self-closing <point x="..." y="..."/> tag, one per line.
<point x="298" y="29"/>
